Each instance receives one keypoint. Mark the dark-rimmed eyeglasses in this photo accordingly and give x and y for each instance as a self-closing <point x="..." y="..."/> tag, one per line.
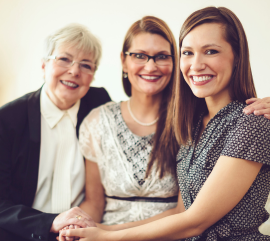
<point x="63" y="61"/>
<point x="160" y="59"/>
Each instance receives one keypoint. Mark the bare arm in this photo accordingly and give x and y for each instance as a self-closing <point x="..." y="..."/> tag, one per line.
<point x="178" y="209"/>
<point x="225" y="187"/>
<point x="94" y="202"/>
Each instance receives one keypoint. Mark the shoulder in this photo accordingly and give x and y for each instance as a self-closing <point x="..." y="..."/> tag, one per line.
<point x="18" y="108"/>
<point x="98" y="112"/>
<point x="96" y="95"/>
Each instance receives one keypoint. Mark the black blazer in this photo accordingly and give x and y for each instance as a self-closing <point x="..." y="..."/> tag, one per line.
<point x="20" y="133"/>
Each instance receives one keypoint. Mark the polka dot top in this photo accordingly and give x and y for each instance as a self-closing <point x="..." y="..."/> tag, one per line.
<point x="229" y="133"/>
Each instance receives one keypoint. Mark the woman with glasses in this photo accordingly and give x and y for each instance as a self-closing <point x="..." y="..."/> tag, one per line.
<point x="117" y="139"/>
<point x="42" y="169"/>
<point x="223" y="165"/>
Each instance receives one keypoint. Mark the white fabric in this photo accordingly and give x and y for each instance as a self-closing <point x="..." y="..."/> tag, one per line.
<point x="54" y="134"/>
<point x="99" y="143"/>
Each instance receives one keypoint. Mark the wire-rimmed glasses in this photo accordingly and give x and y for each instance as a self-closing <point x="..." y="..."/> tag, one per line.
<point x="63" y="61"/>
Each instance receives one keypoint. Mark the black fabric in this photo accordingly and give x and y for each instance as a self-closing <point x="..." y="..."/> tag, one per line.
<point x="229" y="133"/>
<point x="20" y="131"/>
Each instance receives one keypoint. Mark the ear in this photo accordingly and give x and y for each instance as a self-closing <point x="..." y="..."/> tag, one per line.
<point x="43" y="65"/>
<point x="123" y="61"/>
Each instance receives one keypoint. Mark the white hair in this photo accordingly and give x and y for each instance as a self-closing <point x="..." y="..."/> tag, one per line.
<point x="74" y="35"/>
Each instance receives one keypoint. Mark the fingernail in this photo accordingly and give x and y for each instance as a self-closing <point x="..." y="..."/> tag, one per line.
<point x="63" y="232"/>
<point x="247" y="112"/>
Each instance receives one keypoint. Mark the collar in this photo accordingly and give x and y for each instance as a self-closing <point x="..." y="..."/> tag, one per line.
<point x="52" y="113"/>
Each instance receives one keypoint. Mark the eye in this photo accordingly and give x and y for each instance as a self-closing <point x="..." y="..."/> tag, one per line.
<point x="163" y="56"/>
<point x="64" y="59"/>
<point x="140" y="56"/>
<point x="187" y="53"/>
<point x="211" y="51"/>
<point x="86" y="66"/>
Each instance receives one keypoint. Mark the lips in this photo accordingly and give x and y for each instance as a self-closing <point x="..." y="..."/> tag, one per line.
<point x="69" y="84"/>
<point x="150" y="78"/>
<point x="201" y="79"/>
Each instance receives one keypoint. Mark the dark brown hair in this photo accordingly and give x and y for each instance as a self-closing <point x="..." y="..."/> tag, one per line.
<point x="163" y="155"/>
<point x="184" y="106"/>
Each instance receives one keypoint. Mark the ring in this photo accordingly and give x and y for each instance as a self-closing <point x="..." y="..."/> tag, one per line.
<point x="79" y="217"/>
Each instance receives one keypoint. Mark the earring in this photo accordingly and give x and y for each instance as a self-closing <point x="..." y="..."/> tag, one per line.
<point x="125" y="75"/>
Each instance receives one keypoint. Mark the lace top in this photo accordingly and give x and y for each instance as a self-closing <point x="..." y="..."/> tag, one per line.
<point x="234" y="134"/>
<point x="122" y="158"/>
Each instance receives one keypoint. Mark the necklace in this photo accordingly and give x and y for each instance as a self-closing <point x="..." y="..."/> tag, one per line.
<point x="135" y="119"/>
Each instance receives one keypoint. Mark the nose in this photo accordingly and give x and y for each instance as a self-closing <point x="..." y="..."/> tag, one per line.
<point x="197" y="63"/>
<point x="74" y="69"/>
<point x="150" y="65"/>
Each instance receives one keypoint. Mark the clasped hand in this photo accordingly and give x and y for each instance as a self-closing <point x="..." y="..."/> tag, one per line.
<point x="73" y="218"/>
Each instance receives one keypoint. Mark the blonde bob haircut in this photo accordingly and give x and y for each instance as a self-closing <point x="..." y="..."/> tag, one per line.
<point x="74" y="35"/>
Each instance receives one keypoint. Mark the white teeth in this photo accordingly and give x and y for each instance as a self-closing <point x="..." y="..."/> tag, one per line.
<point x="69" y="84"/>
<point x="149" y="77"/>
<point x="201" y="78"/>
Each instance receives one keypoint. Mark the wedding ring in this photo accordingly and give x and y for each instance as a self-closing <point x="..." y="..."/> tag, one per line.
<point x="79" y="217"/>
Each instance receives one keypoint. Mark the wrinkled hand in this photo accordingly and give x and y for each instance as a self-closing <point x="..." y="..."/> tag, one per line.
<point x="69" y="217"/>
<point x="87" y="234"/>
<point x="258" y="107"/>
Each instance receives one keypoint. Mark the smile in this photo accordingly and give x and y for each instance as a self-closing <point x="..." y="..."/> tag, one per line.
<point x="150" y="77"/>
<point x="69" y="84"/>
<point x="201" y="78"/>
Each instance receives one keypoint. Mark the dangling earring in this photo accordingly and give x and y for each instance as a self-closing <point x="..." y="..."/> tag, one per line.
<point x="125" y="75"/>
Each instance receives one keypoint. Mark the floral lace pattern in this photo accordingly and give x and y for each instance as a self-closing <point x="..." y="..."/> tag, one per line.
<point x="136" y="148"/>
<point x="99" y="142"/>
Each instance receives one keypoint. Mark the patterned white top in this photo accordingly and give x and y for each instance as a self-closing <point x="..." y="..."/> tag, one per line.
<point x="122" y="158"/>
<point x="229" y="133"/>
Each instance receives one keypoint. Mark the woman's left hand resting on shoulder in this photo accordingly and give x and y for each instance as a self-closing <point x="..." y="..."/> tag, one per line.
<point x="258" y="107"/>
<point x="223" y="190"/>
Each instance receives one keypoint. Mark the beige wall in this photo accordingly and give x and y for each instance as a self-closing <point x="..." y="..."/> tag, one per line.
<point x="25" y="24"/>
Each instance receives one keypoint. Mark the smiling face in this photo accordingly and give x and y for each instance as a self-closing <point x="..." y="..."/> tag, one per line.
<point x="148" y="78"/>
<point x="65" y="86"/>
<point x="207" y="61"/>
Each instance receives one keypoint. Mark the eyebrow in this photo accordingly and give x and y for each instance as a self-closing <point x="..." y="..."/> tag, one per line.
<point x="160" y="52"/>
<point x="84" y="60"/>
<point x="205" y="46"/>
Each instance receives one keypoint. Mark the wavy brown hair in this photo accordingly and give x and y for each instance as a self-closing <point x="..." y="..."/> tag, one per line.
<point x="184" y="106"/>
<point x="162" y="155"/>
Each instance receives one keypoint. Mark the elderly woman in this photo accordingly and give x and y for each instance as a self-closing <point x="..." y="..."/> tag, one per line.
<point x="41" y="167"/>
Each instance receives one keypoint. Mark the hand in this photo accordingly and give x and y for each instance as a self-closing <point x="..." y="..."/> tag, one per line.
<point x="69" y="238"/>
<point x="87" y="234"/>
<point x="75" y="216"/>
<point x="258" y="107"/>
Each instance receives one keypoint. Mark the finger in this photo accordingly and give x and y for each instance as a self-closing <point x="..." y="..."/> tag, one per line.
<point x="267" y="116"/>
<point x="250" y="108"/>
<point x="251" y="100"/>
<point x="70" y="238"/>
<point x="74" y="233"/>
<point x="262" y="111"/>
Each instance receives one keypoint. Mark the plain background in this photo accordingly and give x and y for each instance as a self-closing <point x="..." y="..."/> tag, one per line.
<point x="24" y="24"/>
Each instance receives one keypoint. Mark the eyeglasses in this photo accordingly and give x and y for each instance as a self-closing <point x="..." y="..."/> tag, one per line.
<point x="63" y="61"/>
<point x="161" y="59"/>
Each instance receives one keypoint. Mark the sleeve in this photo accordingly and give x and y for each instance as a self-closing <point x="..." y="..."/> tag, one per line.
<point x="15" y="218"/>
<point x="249" y="140"/>
<point x="90" y="135"/>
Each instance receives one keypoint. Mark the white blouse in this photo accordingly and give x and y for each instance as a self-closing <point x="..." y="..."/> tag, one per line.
<point x="102" y="135"/>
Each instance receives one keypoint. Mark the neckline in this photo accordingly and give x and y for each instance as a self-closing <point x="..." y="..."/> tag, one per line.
<point x="126" y="127"/>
